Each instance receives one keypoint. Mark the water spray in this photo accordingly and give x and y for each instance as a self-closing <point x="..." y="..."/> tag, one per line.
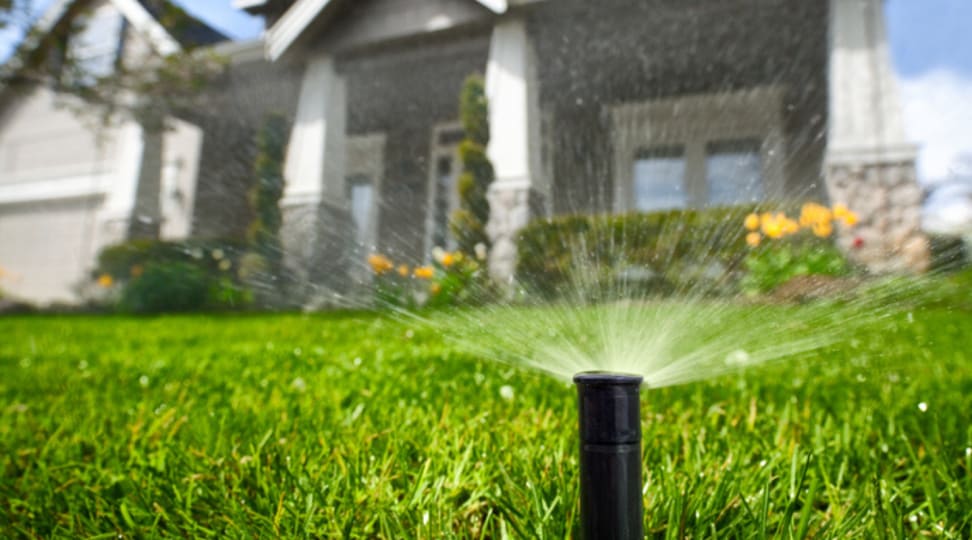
<point x="610" y="456"/>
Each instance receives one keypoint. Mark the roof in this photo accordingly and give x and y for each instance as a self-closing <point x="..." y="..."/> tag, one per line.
<point x="282" y="35"/>
<point x="185" y="28"/>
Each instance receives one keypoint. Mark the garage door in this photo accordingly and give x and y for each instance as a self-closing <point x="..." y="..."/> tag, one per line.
<point x="45" y="248"/>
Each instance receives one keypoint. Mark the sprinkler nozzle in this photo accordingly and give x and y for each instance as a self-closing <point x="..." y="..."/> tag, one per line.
<point x="610" y="456"/>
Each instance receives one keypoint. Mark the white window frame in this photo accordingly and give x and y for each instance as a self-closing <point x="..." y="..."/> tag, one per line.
<point x="693" y="122"/>
<point x="438" y="150"/>
<point x="365" y="158"/>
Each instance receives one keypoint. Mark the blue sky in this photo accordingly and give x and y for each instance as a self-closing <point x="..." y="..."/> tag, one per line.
<point x="931" y="47"/>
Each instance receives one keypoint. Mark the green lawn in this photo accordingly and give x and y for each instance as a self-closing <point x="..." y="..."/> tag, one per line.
<point x="351" y="426"/>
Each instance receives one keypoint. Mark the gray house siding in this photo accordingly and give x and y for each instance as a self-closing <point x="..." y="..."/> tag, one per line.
<point x="404" y="93"/>
<point x="594" y="55"/>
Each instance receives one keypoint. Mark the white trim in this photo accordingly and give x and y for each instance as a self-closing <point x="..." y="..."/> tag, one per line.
<point x="436" y="152"/>
<point x="239" y="52"/>
<point x="282" y="35"/>
<point x="143" y="22"/>
<point x="247" y="5"/>
<point x="74" y="187"/>
<point x="140" y="19"/>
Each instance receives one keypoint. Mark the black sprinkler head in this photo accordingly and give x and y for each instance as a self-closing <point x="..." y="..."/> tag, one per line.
<point x="610" y="456"/>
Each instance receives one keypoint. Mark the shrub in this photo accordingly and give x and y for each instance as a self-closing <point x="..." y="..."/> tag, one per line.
<point x="166" y="287"/>
<point x="453" y="279"/>
<point x="262" y="266"/>
<point x="139" y="267"/>
<point x="784" y="248"/>
<point x="599" y="257"/>
<point x="468" y="223"/>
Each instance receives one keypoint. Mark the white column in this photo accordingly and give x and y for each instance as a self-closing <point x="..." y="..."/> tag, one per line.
<point x="870" y="164"/>
<point x="514" y="119"/>
<point x="314" y="169"/>
<point x="514" y="141"/>
<point x="315" y="220"/>
<point x="865" y="110"/>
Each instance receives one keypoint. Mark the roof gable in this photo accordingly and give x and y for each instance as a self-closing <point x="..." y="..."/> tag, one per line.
<point x="296" y="21"/>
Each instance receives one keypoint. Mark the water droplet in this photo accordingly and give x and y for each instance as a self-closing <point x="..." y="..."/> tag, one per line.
<point x="911" y="317"/>
<point x="143" y="381"/>
<point x="298" y="351"/>
<point x="506" y="392"/>
<point x="762" y="463"/>
<point x="299" y="384"/>
<point x="425" y="517"/>
<point x="83" y="365"/>
<point x="356" y="361"/>
<point x="922" y="406"/>
<point x="913" y="518"/>
<point x="25" y="363"/>
<point x="968" y="452"/>
<point x="409" y="334"/>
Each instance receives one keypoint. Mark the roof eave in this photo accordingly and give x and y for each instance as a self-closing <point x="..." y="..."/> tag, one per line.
<point x="281" y="36"/>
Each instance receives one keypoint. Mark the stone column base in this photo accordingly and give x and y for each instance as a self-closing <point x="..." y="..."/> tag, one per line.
<point x="887" y="199"/>
<point x="316" y="239"/>
<point x="510" y="209"/>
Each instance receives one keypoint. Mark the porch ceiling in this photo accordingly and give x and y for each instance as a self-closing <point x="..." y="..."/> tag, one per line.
<point x="304" y="13"/>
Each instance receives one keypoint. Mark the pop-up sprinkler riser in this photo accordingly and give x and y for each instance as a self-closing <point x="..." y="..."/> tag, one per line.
<point x="610" y="456"/>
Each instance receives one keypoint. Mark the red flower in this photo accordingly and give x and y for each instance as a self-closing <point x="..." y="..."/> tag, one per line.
<point x="858" y="242"/>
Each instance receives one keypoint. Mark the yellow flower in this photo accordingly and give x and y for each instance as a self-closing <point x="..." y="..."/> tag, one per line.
<point x="403" y="270"/>
<point x="823" y="229"/>
<point x="448" y="259"/>
<point x="773" y="226"/>
<point x="379" y="263"/>
<point x="840" y="210"/>
<point x="105" y="281"/>
<point x="424" y="272"/>
<point x="812" y="214"/>
<point x="753" y="239"/>
<point x="435" y="288"/>
<point x="850" y="219"/>
<point x="752" y="222"/>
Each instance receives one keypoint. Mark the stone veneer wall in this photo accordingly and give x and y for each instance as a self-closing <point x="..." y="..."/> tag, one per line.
<point x="509" y="211"/>
<point x="887" y="199"/>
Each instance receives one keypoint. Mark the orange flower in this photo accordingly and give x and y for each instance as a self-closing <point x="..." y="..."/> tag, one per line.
<point x="403" y="270"/>
<point x="751" y="222"/>
<point x="424" y="272"/>
<point x="448" y="259"/>
<point x="435" y="289"/>
<point x="753" y="239"/>
<point x="379" y="263"/>
<point x="105" y="281"/>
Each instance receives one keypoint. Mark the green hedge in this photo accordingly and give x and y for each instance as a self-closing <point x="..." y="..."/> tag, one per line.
<point x="633" y="254"/>
<point x="157" y="276"/>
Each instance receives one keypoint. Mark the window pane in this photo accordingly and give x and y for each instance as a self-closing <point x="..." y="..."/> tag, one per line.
<point x="362" y="199"/>
<point x="445" y="180"/>
<point x="734" y="173"/>
<point x="659" y="180"/>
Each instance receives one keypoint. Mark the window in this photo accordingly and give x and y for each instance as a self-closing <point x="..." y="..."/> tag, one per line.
<point x="443" y="201"/>
<point x="734" y="173"/>
<point x="659" y="179"/>
<point x="361" y="195"/>
<point x="443" y="185"/>
<point x="96" y="47"/>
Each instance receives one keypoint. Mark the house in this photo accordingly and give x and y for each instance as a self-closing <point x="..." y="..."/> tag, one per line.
<point x="67" y="187"/>
<point x="607" y="106"/>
